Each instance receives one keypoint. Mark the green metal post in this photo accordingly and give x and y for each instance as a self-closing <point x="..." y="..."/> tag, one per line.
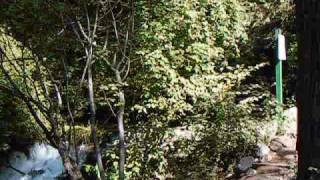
<point x="279" y="58"/>
<point x="279" y="92"/>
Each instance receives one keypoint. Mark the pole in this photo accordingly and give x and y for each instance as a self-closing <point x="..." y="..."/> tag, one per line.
<point x="281" y="56"/>
<point x="279" y="92"/>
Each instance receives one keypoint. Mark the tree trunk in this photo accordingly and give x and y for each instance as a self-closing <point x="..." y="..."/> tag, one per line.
<point x="70" y="166"/>
<point x="93" y="118"/>
<point x="122" y="147"/>
<point x="308" y="89"/>
<point x="120" y="114"/>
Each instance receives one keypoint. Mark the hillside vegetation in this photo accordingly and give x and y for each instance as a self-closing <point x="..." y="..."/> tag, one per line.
<point x="159" y="89"/>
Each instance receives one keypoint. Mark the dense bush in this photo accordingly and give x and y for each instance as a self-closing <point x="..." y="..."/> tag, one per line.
<point x="194" y="63"/>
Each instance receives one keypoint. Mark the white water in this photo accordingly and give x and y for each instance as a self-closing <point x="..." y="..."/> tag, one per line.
<point x="43" y="163"/>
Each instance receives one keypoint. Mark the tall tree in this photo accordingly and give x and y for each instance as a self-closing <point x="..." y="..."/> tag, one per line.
<point x="106" y="34"/>
<point x="89" y="40"/>
<point x="308" y="90"/>
<point x="30" y="78"/>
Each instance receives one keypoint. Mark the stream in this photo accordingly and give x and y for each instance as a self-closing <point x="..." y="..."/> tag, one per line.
<point x="42" y="162"/>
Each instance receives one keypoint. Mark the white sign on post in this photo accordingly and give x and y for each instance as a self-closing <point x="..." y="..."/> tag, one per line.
<point x="281" y="47"/>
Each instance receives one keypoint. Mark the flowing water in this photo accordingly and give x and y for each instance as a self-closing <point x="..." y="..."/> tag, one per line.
<point x="43" y="162"/>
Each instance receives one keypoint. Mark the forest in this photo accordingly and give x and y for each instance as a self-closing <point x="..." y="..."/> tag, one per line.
<point x="142" y="89"/>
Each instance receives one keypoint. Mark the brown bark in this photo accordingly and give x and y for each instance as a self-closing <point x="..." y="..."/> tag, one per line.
<point x="71" y="167"/>
<point x="308" y="89"/>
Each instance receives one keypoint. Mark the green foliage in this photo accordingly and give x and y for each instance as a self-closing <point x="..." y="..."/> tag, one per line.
<point x="194" y="63"/>
<point x="192" y="69"/>
<point x="15" y="119"/>
<point x="187" y="54"/>
<point x="90" y="172"/>
<point x="15" y="122"/>
<point x="192" y="55"/>
<point x="147" y="156"/>
<point x="219" y="141"/>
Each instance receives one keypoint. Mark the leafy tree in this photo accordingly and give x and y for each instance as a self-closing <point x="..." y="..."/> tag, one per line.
<point x="152" y="67"/>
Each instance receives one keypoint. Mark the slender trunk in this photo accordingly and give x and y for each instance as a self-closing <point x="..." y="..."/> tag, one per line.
<point x="122" y="148"/>
<point x="70" y="166"/>
<point x="121" y="135"/>
<point x="72" y="170"/>
<point x="97" y="152"/>
<point x="92" y="118"/>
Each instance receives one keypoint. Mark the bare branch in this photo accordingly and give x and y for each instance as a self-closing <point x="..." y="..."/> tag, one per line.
<point x="28" y="103"/>
<point x="82" y="31"/>
<point x="88" y="22"/>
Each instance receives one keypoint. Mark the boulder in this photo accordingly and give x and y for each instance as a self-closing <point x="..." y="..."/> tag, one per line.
<point x="262" y="151"/>
<point x="245" y="163"/>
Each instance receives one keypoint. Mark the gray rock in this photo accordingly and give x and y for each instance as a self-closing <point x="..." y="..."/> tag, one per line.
<point x="251" y="172"/>
<point x="34" y="173"/>
<point x="262" y="151"/>
<point x="245" y="163"/>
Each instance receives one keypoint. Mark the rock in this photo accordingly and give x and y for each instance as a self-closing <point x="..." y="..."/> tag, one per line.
<point x="34" y="173"/>
<point x="290" y="157"/>
<point x="284" y="147"/>
<point x="262" y="177"/>
<point x="286" y="141"/>
<point x="245" y="163"/>
<point x="262" y="151"/>
<point x="271" y="170"/>
<point x="276" y="145"/>
<point x="251" y="172"/>
<point x="228" y="176"/>
<point x="278" y="159"/>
